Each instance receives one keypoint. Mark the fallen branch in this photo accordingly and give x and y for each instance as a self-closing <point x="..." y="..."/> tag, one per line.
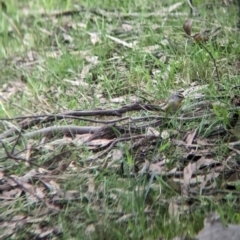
<point x="35" y="120"/>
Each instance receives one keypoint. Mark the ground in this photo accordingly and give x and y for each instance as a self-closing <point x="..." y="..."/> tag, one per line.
<point x="87" y="151"/>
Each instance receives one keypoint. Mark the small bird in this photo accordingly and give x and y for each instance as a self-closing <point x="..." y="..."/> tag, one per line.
<point x="173" y="103"/>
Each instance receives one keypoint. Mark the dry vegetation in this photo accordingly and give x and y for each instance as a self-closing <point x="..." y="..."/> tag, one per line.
<point x="87" y="151"/>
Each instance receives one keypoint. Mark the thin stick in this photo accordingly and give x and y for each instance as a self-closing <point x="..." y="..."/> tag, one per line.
<point x="11" y="156"/>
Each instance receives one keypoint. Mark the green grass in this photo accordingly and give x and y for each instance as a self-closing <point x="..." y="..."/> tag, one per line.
<point x="124" y="204"/>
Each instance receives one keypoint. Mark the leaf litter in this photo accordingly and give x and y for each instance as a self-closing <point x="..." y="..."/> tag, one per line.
<point x="195" y="168"/>
<point x="196" y="176"/>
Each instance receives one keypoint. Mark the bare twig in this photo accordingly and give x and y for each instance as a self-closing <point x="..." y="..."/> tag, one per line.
<point x="11" y="156"/>
<point x="16" y="142"/>
<point x="56" y="130"/>
<point x="25" y="189"/>
<point x="75" y="115"/>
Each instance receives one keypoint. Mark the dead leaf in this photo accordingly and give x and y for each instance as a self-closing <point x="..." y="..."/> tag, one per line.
<point x="124" y="218"/>
<point x="174" y="6"/>
<point x="203" y="162"/>
<point x="122" y="42"/>
<point x="99" y="143"/>
<point x="176" y="208"/>
<point x="61" y="168"/>
<point x="233" y="180"/>
<point x="117" y="154"/>
<point x="205" y="35"/>
<point x="187" y="174"/>
<point x="18" y="218"/>
<point x="127" y="27"/>
<point x="150" y="49"/>
<point x="94" y="38"/>
<point x="92" y="59"/>
<point x="173" y="210"/>
<point x="211" y="176"/>
<point x="28" y="40"/>
<point x="90" y="229"/>
<point x="187" y="27"/>
<point x="201" y="37"/>
<point x="91" y="185"/>
<point x="190" y="137"/>
<point x="28" y="176"/>
<point x="124" y="99"/>
<point x="67" y="38"/>
<point x="152" y="132"/>
<point x="156" y="168"/>
<point x="52" y="186"/>
<point x="165" y="134"/>
<point x="85" y="71"/>
<point x="12" y="194"/>
<point x="174" y="184"/>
